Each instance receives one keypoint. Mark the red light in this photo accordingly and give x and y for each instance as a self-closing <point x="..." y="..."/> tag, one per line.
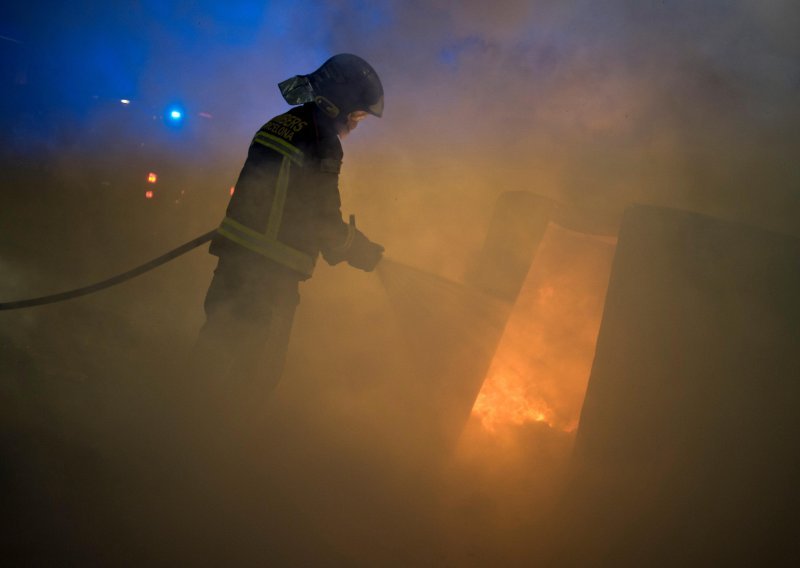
<point x="148" y="194"/>
<point x="232" y="190"/>
<point x="152" y="178"/>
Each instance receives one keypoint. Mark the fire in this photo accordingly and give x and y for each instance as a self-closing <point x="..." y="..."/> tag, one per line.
<point x="541" y="367"/>
<point x="505" y="400"/>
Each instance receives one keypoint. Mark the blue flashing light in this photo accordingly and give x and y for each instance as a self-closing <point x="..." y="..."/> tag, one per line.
<point x="174" y="116"/>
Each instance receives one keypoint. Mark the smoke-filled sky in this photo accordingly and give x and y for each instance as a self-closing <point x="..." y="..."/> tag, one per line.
<point x="678" y="102"/>
<point x="685" y="103"/>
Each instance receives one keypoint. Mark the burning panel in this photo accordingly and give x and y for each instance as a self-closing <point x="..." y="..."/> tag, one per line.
<point x="541" y="367"/>
<point x="452" y="330"/>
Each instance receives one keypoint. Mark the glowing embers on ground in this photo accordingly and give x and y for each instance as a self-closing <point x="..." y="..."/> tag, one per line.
<point x="541" y="367"/>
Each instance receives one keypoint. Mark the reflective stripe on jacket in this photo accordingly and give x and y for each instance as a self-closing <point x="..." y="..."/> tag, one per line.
<point x="286" y="206"/>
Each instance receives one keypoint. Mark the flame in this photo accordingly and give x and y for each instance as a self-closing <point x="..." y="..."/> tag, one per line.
<point x="541" y="367"/>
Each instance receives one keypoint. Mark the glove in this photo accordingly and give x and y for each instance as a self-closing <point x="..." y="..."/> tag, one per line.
<point x="364" y="254"/>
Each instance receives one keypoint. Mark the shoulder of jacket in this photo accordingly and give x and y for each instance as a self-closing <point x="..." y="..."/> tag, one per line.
<point x="289" y="127"/>
<point x="295" y="131"/>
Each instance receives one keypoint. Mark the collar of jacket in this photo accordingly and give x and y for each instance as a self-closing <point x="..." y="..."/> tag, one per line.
<point x="326" y="126"/>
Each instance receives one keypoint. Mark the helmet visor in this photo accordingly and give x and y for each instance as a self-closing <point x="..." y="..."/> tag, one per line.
<point x="371" y="96"/>
<point x="376" y="108"/>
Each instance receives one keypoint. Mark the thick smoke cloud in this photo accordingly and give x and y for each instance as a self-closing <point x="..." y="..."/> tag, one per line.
<point x="678" y="103"/>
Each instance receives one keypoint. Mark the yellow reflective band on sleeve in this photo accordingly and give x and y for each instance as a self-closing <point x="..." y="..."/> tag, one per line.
<point x="276" y="211"/>
<point x="279" y="145"/>
<point x="267" y="247"/>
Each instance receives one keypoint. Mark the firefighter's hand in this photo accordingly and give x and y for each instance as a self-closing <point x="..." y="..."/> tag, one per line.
<point x="364" y="254"/>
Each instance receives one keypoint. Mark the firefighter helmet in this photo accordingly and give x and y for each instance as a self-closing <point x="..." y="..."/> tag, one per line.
<point x="343" y="84"/>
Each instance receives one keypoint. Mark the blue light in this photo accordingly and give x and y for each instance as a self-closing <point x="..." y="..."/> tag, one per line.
<point x="174" y="116"/>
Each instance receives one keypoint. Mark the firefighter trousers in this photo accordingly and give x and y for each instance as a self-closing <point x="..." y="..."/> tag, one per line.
<point x="241" y="349"/>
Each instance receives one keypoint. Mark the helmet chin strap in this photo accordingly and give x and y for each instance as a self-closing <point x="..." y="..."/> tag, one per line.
<point x="326" y="106"/>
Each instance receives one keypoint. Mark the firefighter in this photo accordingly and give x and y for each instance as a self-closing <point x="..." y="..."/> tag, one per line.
<point x="284" y="212"/>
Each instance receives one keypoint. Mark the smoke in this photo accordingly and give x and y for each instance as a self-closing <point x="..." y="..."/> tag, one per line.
<point x="597" y="105"/>
<point x="677" y="103"/>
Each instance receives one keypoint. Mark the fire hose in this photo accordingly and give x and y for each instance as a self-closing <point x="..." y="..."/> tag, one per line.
<point x="114" y="280"/>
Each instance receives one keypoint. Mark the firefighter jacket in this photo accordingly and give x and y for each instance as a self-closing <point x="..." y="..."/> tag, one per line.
<point x="285" y="208"/>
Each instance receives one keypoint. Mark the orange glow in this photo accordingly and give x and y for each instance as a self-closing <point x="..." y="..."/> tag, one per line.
<point x="541" y="367"/>
<point x="152" y="178"/>
<point x="148" y="194"/>
<point x="232" y="188"/>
